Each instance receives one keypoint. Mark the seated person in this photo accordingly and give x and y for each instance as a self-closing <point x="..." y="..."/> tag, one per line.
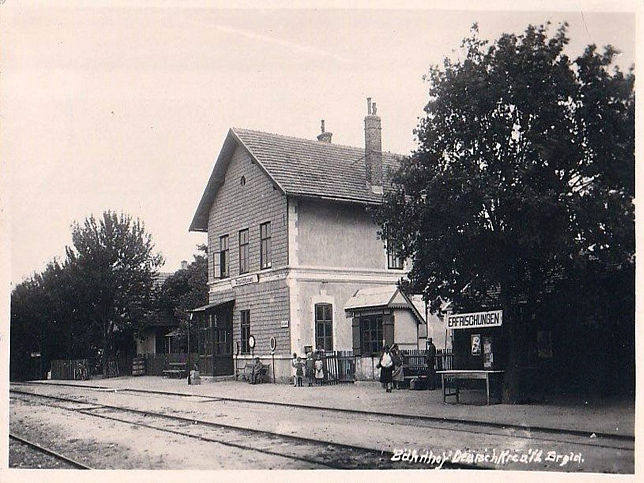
<point x="256" y="370"/>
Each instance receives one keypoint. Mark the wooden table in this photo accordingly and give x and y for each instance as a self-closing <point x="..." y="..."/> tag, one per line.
<point x="456" y="374"/>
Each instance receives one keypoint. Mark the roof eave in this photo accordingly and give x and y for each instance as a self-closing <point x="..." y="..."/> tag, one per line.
<point x="200" y="218"/>
<point x="338" y="199"/>
<point x="361" y="307"/>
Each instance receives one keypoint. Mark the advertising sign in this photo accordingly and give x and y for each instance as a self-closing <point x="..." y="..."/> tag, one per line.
<point x="475" y="320"/>
<point x="476" y="344"/>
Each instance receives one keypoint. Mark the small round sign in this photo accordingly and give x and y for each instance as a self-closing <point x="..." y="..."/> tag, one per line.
<point x="251" y="341"/>
<point x="273" y="344"/>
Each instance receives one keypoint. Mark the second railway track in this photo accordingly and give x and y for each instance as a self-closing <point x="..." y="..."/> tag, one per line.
<point x="323" y="454"/>
<point x="607" y="440"/>
<point x="50" y="453"/>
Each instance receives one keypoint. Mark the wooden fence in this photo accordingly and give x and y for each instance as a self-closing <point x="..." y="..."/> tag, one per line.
<point x="340" y="366"/>
<point x="76" y="370"/>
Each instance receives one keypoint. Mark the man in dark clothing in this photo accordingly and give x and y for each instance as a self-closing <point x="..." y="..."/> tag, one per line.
<point x="257" y="370"/>
<point x="430" y="359"/>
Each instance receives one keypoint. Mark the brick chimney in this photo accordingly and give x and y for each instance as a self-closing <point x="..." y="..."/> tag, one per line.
<point x="184" y="264"/>
<point x="324" y="136"/>
<point x="373" y="148"/>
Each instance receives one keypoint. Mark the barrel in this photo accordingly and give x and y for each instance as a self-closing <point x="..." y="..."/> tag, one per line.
<point x="138" y="366"/>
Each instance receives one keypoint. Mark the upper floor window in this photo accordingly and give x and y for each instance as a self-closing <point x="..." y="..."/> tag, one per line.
<point x="394" y="260"/>
<point x="243" y="251"/>
<point x="224" y="259"/>
<point x="324" y="327"/>
<point x="265" y="245"/>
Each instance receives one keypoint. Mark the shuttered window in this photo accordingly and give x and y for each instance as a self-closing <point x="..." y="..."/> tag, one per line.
<point x="243" y="251"/>
<point x="265" y="254"/>
<point x="371" y="334"/>
<point x="224" y="258"/>
<point x="245" y="331"/>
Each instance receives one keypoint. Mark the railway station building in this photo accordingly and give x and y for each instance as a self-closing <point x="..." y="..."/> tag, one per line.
<point x="294" y="256"/>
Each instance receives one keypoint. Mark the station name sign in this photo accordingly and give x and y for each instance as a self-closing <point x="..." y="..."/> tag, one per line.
<point x="248" y="279"/>
<point x="474" y="320"/>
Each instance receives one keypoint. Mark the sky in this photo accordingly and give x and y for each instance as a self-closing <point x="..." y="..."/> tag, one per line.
<point x="124" y="108"/>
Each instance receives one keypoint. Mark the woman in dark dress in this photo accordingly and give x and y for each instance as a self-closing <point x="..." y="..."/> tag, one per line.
<point x="386" y="365"/>
<point x="397" y="375"/>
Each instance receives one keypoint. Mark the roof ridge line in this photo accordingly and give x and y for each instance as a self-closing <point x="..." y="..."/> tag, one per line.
<point x="312" y="141"/>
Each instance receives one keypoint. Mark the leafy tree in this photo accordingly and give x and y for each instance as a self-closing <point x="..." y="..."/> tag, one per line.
<point x="28" y="309"/>
<point x="184" y="290"/>
<point x="43" y="310"/>
<point x="523" y="178"/>
<point x="114" y="257"/>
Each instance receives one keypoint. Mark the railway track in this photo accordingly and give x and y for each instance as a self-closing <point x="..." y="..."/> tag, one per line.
<point x="545" y="434"/>
<point x="311" y="451"/>
<point x="49" y="452"/>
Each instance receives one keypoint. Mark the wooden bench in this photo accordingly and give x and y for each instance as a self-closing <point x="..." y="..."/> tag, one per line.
<point x="247" y="373"/>
<point x="177" y="369"/>
<point x="414" y="367"/>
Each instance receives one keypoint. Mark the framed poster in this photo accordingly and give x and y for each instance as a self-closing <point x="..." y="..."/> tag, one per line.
<point x="476" y="344"/>
<point x="488" y="355"/>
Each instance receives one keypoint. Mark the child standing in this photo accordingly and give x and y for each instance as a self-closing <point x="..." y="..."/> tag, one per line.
<point x="310" y="369"/>
<point x="299" y="370"/>
<point x="319" y="369"/>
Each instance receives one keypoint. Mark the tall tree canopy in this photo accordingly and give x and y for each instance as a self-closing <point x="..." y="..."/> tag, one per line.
<point x="185" y="290"/>
<point x="523" y="176"/>
<point x="114" y="256"/>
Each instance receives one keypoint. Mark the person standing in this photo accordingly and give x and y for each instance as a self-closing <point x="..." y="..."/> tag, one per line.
<point x="386" y="365"/>
<point x="397" y="375"/>
<point x="319" y="369"/>
<point x="309" y="368"/>
<point x="299" y="370"/>
<point x="431" y="361"/>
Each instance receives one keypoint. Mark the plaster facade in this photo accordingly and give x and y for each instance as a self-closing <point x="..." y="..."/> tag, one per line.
<point x="322" y="251"/>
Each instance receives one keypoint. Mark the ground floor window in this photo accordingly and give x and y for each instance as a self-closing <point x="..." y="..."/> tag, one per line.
<point x="245" y="331"/>
<point x="205" y="336"/>
<point x="371" y="333"/>
<point x="324" y="327"/>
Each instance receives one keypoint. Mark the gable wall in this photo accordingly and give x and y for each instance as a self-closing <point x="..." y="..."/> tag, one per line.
<point x="237" y="207"/>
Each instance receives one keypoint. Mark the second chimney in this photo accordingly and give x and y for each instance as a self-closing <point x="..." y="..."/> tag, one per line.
<point x="184" y="264"/>
<point x="324" y="136"/>
<point x="373" y="148"/>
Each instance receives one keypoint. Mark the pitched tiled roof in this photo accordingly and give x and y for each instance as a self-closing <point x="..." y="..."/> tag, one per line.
<point x="382" y="296"/>
<point x="313" y="168"/>
<point x="299" y="167"/>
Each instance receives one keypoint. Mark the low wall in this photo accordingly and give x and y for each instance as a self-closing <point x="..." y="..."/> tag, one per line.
<point x="283" y="368"/>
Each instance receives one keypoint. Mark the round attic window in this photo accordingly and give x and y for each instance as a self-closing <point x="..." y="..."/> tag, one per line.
<point x="242" y="181"/>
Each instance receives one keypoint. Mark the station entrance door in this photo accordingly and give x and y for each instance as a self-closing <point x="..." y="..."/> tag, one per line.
<point x="216" y="340"/>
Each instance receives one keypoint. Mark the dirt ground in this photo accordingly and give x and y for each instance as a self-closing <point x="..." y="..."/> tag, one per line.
<point x="106" y="444"/>
<point x="103" y="444"/>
